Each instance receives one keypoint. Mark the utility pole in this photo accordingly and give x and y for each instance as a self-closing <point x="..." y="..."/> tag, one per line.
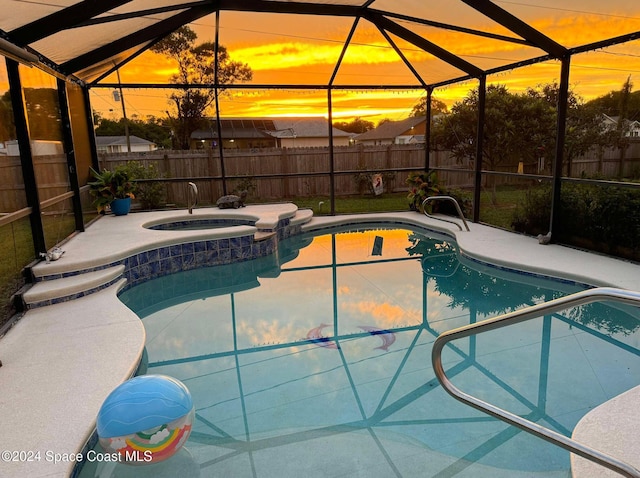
<point x="124" y="113"/>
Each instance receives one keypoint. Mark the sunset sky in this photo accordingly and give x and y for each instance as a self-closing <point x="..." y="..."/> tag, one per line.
<point x="295" y="50"/>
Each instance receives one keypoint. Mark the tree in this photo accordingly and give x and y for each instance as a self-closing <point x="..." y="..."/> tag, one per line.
<point x="154" y="129"/>
<point x="437" y="107"/>
<point x="584" y="127"/>
<point x="611" y="103"/>
<point x="7" y="126"/>
<point x="625" y="96"/>
<point x="196" y="66"/>
<point x="43" y="114"/>
<point x="519" y="128"/>
<point x="357" y="125"/>
<point x="515" y="127"/>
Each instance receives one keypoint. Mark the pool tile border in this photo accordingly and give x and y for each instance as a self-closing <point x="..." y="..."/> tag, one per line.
<point x="160" y="261"/>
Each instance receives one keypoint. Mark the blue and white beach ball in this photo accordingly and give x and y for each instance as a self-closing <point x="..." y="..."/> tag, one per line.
<point x="146" y="419"/>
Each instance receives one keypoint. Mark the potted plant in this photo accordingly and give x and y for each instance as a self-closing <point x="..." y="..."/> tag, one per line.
<point x="114" y="189"/>
<point x="421" y="186"/>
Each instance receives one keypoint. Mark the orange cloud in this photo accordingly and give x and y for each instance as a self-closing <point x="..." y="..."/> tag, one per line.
<point x="277" y="59"/>
<point x="384" y="314"/>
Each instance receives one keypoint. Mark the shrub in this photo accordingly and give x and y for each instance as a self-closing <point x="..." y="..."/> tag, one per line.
<point x="151" y="194"/>
<point x="603" y="219"/>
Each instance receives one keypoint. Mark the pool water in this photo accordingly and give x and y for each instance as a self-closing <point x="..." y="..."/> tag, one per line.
<point x="317" y="362"/>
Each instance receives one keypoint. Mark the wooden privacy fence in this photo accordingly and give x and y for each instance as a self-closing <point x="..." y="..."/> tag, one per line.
<point x="290" y="172"/>
<point x="51" y="173"/>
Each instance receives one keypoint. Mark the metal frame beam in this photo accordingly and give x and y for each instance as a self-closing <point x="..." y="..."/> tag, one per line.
<point x="26" y="158"/>
<point x="62" y="20"/>
<point x="455" y="28"/>
<point x="67" y="141"/>
<point x="151" y="33"/>
<point x="299" y="8"/>
<point x="482" y="102"/>
<point x="424" y="44"/>
<point x="517" y="26"/>
<point x="563" y="97"/>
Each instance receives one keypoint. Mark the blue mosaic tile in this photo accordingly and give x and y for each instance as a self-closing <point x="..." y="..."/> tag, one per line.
<point x="224" y="256"/>
<point x="170" y="259"/>
<point x="201" y="258"/>
<point x="188" y="261"/>
<point x="211" y="257"/>
<point x="236" y="254"/>
<point x="135" y="273"/>
<point x="165" y="265"/>
<point x="174" y="264"/>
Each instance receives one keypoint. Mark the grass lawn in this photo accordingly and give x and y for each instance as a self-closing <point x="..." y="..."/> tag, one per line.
<point x="499" y="214"/>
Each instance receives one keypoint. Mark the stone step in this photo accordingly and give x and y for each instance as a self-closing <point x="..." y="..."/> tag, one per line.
<point x="68" y="288"/>
<point x="302" y="216"/>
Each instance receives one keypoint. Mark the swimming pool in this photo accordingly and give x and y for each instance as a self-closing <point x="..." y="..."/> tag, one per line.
<point x="316" y="361"/>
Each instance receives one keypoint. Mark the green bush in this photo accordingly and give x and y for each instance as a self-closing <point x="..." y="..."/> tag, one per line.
<point x="603" y="219"/>
<point x="151" y="194"/>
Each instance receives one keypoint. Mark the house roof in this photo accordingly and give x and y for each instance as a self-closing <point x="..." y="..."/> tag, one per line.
<point x="613" y="120"/>
<point x="119" y="140"/>
<point x="304" y="128"/>
<point x="390" y="129"/>
<point x="248" y="128"/>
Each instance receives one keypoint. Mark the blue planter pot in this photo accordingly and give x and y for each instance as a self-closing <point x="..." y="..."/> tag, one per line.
<point x="121" y="207"/>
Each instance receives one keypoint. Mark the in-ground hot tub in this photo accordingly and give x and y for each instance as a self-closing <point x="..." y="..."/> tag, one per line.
<point x="201" y="223"/>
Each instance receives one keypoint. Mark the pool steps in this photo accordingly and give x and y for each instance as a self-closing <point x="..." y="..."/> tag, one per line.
<point x="56" y="282"/>
<point x="73" y="287"/>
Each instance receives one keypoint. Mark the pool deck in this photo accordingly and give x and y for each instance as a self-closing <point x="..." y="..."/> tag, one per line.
<point x="61" y="361"/>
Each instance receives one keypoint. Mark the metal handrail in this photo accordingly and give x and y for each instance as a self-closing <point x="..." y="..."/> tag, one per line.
<point x="518" y="316"/>
<point x="447" y="198"/>
<point x="193" y="196"/>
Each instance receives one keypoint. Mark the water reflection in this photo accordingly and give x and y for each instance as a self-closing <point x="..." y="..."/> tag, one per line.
<point x="324" y="357"/>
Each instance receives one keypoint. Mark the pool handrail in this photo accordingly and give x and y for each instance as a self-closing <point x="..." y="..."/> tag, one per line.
<point x="446" y="198"/>
<point x="192" y="192"/>
<point x="522" y="315"/>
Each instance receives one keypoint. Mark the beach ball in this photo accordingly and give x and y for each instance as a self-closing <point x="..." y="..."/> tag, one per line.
<point x="146" y="419"/>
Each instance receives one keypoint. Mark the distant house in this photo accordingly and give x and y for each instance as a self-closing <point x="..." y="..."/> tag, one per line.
<point x="118" y="144"/>
<point x="632" y="128"/>
<point x="408" y="131"/>
<point x="248" y="133"/>
<point x="307" y="132"/>
<point x="39" y="147"/>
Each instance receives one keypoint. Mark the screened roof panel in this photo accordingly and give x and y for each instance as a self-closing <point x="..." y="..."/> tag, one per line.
<point x="282" y="48"/>
<point x="370" y="59"/>
<point x="68" y="44"/>
<point x="97" y="70"/>
<point x="16" y="13"/>
<point x="486" y="53"/>
<point x="140" y="5"/>
<point x="354" y="3"/>
<point x="75" y="35"/>
<point x="578" y="22"/>
<point x="447" y="12"/>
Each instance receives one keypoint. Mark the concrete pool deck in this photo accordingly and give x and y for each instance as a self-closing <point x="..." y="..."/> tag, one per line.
<point x="60" y="361"/>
